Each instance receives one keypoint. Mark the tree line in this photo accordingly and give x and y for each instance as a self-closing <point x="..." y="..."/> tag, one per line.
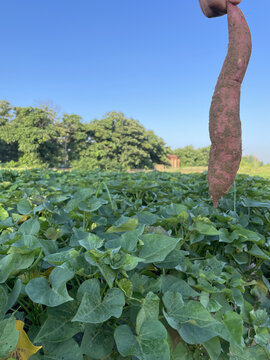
<point x="38" y="137"/>
<point x="190" y="156"/>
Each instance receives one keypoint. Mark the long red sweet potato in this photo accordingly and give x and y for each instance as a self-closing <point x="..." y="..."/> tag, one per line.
<point x="224" y="118"/>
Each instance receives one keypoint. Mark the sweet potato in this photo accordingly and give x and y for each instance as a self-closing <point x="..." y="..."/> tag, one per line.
<point x="224" y="118"/>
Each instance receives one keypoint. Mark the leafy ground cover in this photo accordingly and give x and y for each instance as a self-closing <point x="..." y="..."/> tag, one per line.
<point x="133" y="266"/>
<point x="262" y="171"/>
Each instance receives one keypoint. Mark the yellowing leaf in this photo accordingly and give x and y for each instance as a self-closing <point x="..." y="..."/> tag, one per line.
<point x="23" y="218"/>
<point x="24" y="348"/>
<point x="47" y="273"/>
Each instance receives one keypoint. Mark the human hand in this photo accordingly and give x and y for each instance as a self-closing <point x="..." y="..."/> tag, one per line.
<point x="214" y="8"/>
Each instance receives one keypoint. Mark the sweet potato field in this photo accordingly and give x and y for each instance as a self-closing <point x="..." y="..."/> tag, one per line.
<point x="133" y="267"/>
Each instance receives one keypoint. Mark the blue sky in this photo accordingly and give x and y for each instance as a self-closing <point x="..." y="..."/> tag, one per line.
<point x="156" y="61"/>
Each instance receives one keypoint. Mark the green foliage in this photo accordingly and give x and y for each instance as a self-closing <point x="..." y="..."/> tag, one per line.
<point x="32" y="136"/>
<point x="35" y="138"/>
<point x="8" y="336"/>
<point x="119" y="143"/>
<point x="107" y="265"/>
<point x="189" y="156"/>
<point x="73" y="137"/>
<point x="251" y="161"/>
<point x="8" y="151"/>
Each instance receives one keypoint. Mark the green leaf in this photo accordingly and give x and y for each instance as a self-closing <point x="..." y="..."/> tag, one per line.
<point x="192" y="321"/>
<point x="255" y="352"/>
<point x="234" y="324"/>
<point x="256" y="251"/>
<point x="61" y="217"/>
<point x="147" y="218"/>
<point x="193" y="334"/>
<point x="225" y="236"/>
<point x="91" y="241"/>
<point x="143" y="284"/>
<point x="41" y="292"/>
<point x="25" y="244"/>
<point x="84" y="193"/>
<point x="67" y="350"/>
<point x="245" y="311"/>
<point x="126" y="262"/>
<point x="192" y="311"/>
<point x="90" y="287"/>
<point x="9" y="336"/>
<point x="14" y="294"/>
<point x="172" y="283"/>
<point x="205" y="228"/>
<point x="61" y="257"/>
<point x="181" y="353"/>
<point x="248" y="235"/>
<point x="57" y="330"/>
<point x="53" y="233"/>
<point x="24" y="207"/>
<point x="156" y="247"/>
<point x="213" y="306"/>
<point x="204" y="299"/>
<point x="93" y="309"/>
<point x="262" y="336"/>
<point x="129" y="239"/>
<point x="158" y="229"/>
<point x="71" y="205"/>
<point x="149" y="310"/>
<point x="258" y="317"/>
<point x="30" y="227"/>
<point x="126" y="286"/>
<point x="238" y="297"/>
<point x="266" y="282"/>
<point x="213" y="348"/>
<point x="123" y="224"/>
<point x="92" y="205"/>
<point x="3" y="213"/>
<point x="3" y="302"/>
<point x="150" y="344"/>
<point x="93" y="258"/>
<point x="49" y="247"/>
<point x="97" y="341"/>
<point x="8" y="222"/>
<point x="176" y="210"/>
<point x="13" y="263"/>
<point x="174" y="303"/>
<point x="254" y="203"/>
<point x="176" y="259"/>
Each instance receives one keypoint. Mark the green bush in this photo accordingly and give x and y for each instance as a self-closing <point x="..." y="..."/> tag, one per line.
<point x="189" y="156"/>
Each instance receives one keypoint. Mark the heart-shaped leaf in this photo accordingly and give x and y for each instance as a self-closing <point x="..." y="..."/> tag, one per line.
<point x="40" y="291"/>
<point x="150" y="344"/>
<point x="93" y="309"/>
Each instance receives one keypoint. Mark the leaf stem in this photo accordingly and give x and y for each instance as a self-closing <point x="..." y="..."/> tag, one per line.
<point x="36" y="261"/>
<point x="234" y="197"/>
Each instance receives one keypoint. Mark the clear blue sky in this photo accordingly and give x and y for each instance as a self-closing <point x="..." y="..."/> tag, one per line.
<point x="156" y="61"/>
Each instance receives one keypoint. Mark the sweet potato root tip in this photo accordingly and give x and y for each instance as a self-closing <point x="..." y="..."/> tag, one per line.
<point x="224" y="117"/>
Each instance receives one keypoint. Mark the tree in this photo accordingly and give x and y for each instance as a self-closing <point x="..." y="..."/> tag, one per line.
<point x="6" y="112"/>
<point x="203" y="156"/>
<point x="36" y="135"/>
<point x="73" y="137"/>
<point x="8" y="151"/>
<point x="118" y="143"/>
<point x="251" y="161"/>
<point x="189" y="156"/>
